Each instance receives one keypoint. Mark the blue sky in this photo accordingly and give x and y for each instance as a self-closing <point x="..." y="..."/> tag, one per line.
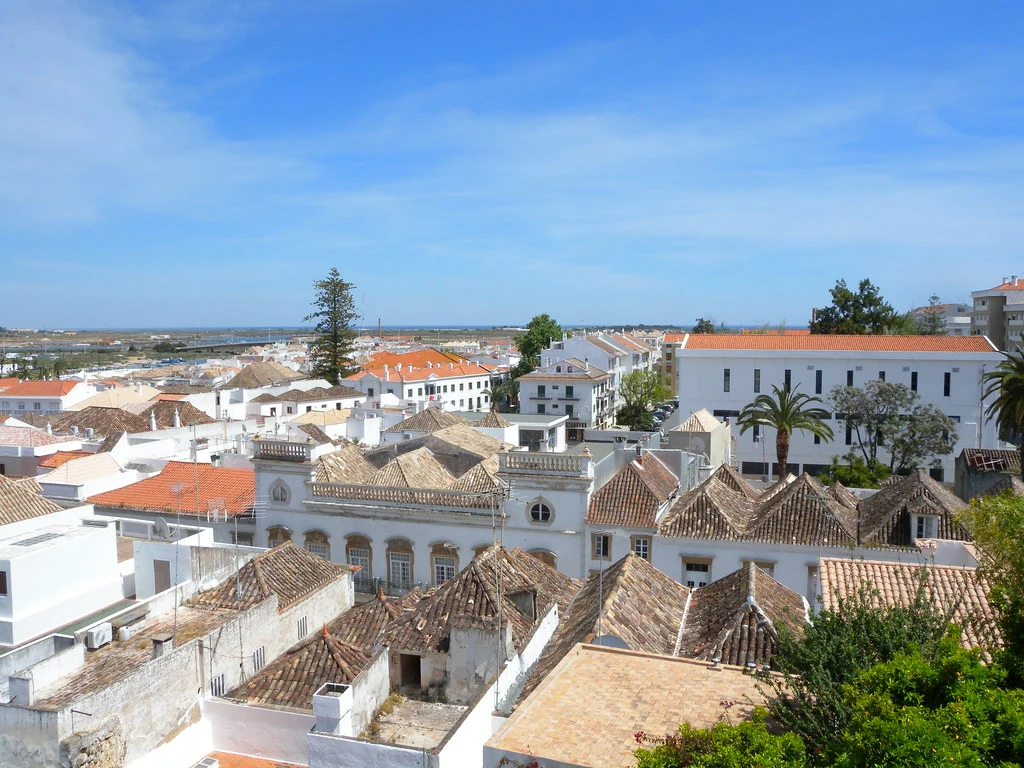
<point x="201" y="163"/>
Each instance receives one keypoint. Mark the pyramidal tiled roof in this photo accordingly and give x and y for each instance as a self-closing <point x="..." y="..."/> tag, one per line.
<point x="101" y="420"/>
<point x="482" y="478"/>
<point x="363" y="624"/>
<point x="712" y="510"/>
<point x="734" y="480"/>
<point x="261" y="374"/>
<point x="472" y="599"/>
<point x="737" y="619"/>
<point x="802" y="513"/>
<point x="427" y="420"/>
<point x="288" y="571"/>
<point x="699" y="421"/>
<point x="416" y="469"/>
<point x="631" y="600"/>
<point x="493" y="420"/>
<point x="291" y="680"/>
<point x="634" y="496"/>
<point x="23" y="500"/>
<point x="885" y="516"/>
<point x="347" y="466"/>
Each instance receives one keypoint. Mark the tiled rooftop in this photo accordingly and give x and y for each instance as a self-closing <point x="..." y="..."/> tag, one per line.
<point x="587" y="711"/>
<point x="60" y="458"/>
<point x="822" y="342"/>
<point x="28" y="437"/>
<point x="101" y="420"/>
<point x="633" y="497"/>
<point x="23" y="500"/>
<point x="194" y="489"/>
<point x="569" y="368"/>
<point x="959" y="593"/>
<point x="261" y="374"/>
<point x="58" y="388"/>
<point x="427" y="420"/>
<point x="992" y="460"/>
<point x="231" y="760"/>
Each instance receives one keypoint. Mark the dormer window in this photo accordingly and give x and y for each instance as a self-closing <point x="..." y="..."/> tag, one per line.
<point x="926" y="526"/>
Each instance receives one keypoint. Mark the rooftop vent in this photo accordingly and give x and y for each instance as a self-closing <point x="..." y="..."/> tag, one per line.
<point x="163" y="643"/>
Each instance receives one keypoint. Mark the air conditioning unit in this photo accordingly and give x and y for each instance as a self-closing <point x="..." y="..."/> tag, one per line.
<point x="98" y="636"/>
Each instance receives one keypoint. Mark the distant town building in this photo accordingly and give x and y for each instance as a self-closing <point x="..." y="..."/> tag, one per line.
<point x="999" y="313"/>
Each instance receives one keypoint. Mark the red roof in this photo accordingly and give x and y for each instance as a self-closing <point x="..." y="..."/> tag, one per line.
<point x="7" y="383"/>
<point x="60" y="458"/>
<point x="419" y="359"/>
<point x="840" y="343"/>
<point x="219" y="488"/>
<point x="57" y="388"/>
<point x="1009" y="286"/>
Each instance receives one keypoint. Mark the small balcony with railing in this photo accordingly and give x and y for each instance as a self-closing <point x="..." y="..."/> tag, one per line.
<point x="288" y="449"/>
<point x="547" y="464"/>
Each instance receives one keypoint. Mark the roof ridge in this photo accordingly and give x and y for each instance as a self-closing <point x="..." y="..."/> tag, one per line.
<point x="257" y="568"/>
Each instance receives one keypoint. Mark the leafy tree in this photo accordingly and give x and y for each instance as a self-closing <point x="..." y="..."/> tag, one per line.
<point x="640" y="390"/>
<point x="933" y="323"/>
<point x="1004" y="389"/>
<point x="334" y="312"/>
<point x="862" y="312"/>
<point x="888" y="415"/>
<point x="996" y="523"/>
<point x="787" y="411"/>
<point x="540" y="332"/>
<point x="748" y="743"/>
<point x="854" y="472"/>
<point x="703" y="326"/>
<point x="504" y="394"/>
<point x="808" y="697"/>
<point x="901" y="324"/>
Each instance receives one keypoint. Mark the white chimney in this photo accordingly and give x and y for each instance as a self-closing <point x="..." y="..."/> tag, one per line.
<point x="451" y="366"/>
<point x="152" y="421"/>
<point x="177" y="418"/>
<point x="332" y="708"/>
<point x="1013" y="280"/>
<point x="162" y="643"/>
<point x="1005" y="281"/>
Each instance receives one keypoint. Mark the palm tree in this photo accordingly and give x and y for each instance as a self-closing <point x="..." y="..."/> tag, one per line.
<point x="1006" y="384"/>
<point x="788" y="411"/>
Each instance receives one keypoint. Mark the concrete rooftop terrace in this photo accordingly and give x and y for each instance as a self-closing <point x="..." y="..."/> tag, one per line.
<point x="587" y="711"/>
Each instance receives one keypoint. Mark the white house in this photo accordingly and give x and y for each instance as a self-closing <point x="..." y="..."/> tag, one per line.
<point x="618" y="354"/>
<point x="452" y="386"/>
<point x="724" y="373"/>
<point x="44" y="396"/>
<point x="572" y="388"/>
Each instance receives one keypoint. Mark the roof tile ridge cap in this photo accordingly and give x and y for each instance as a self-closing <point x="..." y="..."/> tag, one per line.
<point x="257" y="568"/>
<point x="332" y="644"/>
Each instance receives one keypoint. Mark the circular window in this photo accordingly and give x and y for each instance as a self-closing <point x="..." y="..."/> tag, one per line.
<point x="540" y="513"/>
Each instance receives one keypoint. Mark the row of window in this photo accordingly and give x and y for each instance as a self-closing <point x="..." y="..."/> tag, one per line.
<point x="947" y="380"/>
<point x="601" y="546"/>
<point x="542" y="408"/>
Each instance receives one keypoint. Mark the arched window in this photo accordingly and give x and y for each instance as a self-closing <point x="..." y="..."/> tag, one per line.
<point x="541" y="511"/>
<point x="279" y="493"/>
<point x="359" y="552"/>
<point x="278" y="535"/>
<point x="400" y="563"/>
<point x="319" y="544"/>
<point x="546" y="556"/>
<point x="444" y="562"/>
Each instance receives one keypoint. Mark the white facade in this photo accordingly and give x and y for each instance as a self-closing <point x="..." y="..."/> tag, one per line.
<point x="726" y="380"/>
<point x="573" y="388"/>
<point x="451" y="388"/>
<point x="52" y="574"/>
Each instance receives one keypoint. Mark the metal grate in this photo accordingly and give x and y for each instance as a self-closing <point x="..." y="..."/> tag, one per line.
<point x="37" y="539"/>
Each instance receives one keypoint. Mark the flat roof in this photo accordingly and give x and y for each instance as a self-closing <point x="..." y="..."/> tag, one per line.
<point x="418" y="724"/>
<point x="27" y="542"/>
<point x="589" y="709"/>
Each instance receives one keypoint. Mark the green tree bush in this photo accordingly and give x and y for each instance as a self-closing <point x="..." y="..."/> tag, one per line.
<point x="334" y="313"/>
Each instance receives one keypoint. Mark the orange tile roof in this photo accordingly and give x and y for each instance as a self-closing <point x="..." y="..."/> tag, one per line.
<point x="1009" y="286"/>
<point x="41" y="389"/>
<point x="421" y="374"/>
<point x="673" y="338"/>
<point x="221" y="488"/>
<point x="7" y="383"/>
<point x="60" y="458"/>
<point x="419" y="358"/>
<point x="840" y="343"/>
<point x="231" y="760"/>
<point x="168" y="396"/>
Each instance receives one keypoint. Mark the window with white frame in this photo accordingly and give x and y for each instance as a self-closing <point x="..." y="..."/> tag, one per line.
<point x="444" y="568"/>
<point x="696" y="572"/>
<point x="217" y="686"/>
<point x="601" y="546"/>
<point x="318" y="544"/>
<point x="358" y="556"/>
<point x="926" y="526"/>
<point x="642" y="546"/>
<point x="400" y="568"/>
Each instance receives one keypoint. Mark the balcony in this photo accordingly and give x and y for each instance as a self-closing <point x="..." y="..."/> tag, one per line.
<point x="540" y="397"/>
<point x="550" y="464"/>
<point x="574" y="398"/>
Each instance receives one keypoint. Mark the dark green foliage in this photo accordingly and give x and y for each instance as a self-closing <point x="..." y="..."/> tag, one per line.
<point x="1005" y="384"/>
<point x="540" y="332"/>
<point x="786" y="411"/>
<point x="854" y="472"/>
<point x="334" y="312"/>
<point x="933" y="323"/>
<point x="723" y="746"/>
<point x="703" y="326"/>
<point x="863" y="312"/>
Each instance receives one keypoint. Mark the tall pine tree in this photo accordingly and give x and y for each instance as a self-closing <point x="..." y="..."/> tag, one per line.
<point x="334" y="314"/>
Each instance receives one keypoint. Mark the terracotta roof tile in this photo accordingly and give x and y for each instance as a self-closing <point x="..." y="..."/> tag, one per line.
<point x="634" y="496"/>
<point x="224" y="489"/>
<point x="885" y="517"/>
<point x="571" y="368"/>
<point x="416" y="469"/>
<point x="699" y="421"/>
<point x="101" y="420"/>
<point x="347" y="466"/>
<point x="493" y="420"/>
<point x="427" y="420"/>
<point x="841" y="343"/>
<point x="992" y="460"/>
<point x="27" y="437"/>
<point x="165" y="412"/>
<point x="60" y="458"/>
<point x="288" y="571"/>
<point x="23" y="500"/>
<point x="261" y="374"/>
<point x="959" y="593"/>
<point x="58" y="388"/>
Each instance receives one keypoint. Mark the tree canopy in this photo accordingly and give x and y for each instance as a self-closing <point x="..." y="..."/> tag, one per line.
<point x="933" y="323"/>
<point x="334" y="313"/>
<point x="540" y="332"/>
<point x="863" y="312"/>
<point x="1004" y="391"/>
<point x="640" y="390"/>
<point x="888" y="416"/>
<point x="703" y="325"/>
<point x="788" y="411"/>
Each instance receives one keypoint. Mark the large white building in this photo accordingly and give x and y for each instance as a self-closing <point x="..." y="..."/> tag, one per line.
<point x="999" y="313"/>
<point x="572" y="388"/>
<point x="724" y="373"/>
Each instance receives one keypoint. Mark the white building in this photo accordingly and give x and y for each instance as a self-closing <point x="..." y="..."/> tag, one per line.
<point x="999" y="313"/>
<point x="724" y="373"/>
<point x="451" y="386"/>
<point x="956" y="318"/>
<point x="572" y="388"/>
<point x="44" y="396"/>
<point x="618" y="354"/>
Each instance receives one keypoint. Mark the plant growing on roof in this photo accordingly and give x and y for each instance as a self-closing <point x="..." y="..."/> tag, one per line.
<point x="787" y="410"/>
<point x="334" y="312"/>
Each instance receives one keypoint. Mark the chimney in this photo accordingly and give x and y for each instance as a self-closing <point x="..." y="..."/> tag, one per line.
<point x="177" y="418"/>
<point x="1013" y="280"/>
<point x="586" y="364"/>
<point x="138" y="387"/>
<point x="398" y="366"/>
<point x="451" y="366"/>
<point x="1005" y="281"/>
<point x="49" y="428"/>
<point x="152" y="421"/>
<point x="162" y="644"/>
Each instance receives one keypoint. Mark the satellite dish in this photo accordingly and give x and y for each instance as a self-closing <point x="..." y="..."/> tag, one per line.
<point x="162" y="529"/>
<point x="610" y="641"/>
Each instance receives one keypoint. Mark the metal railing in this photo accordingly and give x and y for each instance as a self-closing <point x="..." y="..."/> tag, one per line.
<point x="367" y="585"/>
